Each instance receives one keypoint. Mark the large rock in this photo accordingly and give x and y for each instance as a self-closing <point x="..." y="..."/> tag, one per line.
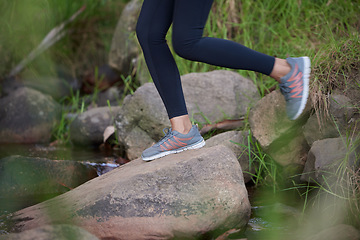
<point x="34" y="179"/>
<point x="211" y="96"/>
<point x="124" y="47"/>
<point x="183" y="196"/>
<point x="327" y="155"/>
<point x="341" y="108"/>
<point x="88" y="128"/>
<point x="27" y="116"/>
<point x="318" y="129"/>
<point x="289" y="149"/>
<point x="331" y="124"/>
<point x="51" y="232"/>
<point x="274" y="131"/>
<point x="238" y="142"/>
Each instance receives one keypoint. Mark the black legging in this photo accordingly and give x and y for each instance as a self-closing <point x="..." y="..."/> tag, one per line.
<point x="188" y="18"/>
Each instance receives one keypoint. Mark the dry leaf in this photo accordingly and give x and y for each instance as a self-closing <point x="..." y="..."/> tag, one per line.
<point x="109" y="130"/>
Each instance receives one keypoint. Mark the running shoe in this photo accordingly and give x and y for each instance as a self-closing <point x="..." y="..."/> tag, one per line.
<point x="295" y="86"/>
<point x="174" y="142"/>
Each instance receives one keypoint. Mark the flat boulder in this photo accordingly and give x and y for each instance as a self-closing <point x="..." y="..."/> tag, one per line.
<point x="184" y="196"/>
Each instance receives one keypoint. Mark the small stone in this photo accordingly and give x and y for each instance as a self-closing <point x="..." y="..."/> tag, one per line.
<point x="88" y="128"/>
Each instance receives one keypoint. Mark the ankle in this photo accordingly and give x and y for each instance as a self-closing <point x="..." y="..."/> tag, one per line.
<point x="281" y="68"/>
<point x="183" y="129"/>
<point x="181" y="124"/>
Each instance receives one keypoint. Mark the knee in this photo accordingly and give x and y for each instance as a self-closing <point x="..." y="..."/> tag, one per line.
<point x="184" y="47"/>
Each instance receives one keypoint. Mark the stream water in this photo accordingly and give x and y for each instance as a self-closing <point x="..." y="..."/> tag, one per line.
<point x="104" y="162"/>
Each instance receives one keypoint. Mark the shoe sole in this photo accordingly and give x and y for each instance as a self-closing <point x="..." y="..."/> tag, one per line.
<point x="305" y="95"/>
<point x="163" y="154"/>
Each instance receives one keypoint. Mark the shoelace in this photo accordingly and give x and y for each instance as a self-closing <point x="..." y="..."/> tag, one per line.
<point x="167" y="133"/>
<point x="285" y="90"/>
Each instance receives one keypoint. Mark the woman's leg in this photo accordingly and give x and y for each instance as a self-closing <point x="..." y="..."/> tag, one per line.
<point x="188" y="24"/>
<point x="154" y="21"/>
<point x="189" y="20"/>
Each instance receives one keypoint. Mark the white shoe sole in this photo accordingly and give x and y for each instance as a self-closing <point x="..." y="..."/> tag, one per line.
<point x="163" y="154"/>
<point x="305" y="95"/>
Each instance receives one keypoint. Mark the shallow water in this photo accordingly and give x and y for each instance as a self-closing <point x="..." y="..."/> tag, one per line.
<point x="103" y="161"/>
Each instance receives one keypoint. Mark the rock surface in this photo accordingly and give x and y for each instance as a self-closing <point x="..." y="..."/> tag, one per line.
<point x="124" y="47"/>
<point x="27" y="116"/>
<point x="182" y="196"/>
<point x="88" y="128"/>
<point x="314" y="131"/>
<point x="216" y="95"/>
<point x="327" y="155"/>
<point x="61" y="231"/>
<point x="238" y="142"/>
<point x="273" y="130"/>
<point x="331" y="124"/>
<point x="341" y="108"/>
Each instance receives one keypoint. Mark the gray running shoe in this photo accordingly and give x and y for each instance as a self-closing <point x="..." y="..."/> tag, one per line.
<point x="295" y="86"/>
<point x="174" y="142"/>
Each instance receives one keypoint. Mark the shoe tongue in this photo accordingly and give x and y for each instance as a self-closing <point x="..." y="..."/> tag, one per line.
<point x="287" y="76"/>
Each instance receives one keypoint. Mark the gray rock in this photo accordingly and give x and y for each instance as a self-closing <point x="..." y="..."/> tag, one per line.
<point x="290" y="148"/>
<point x="136" y="136"/>
<point x="181" y="196"/>
<point x="341" y="108"/>
<point x="341" y="231"/>
<point x="238" y="142"/>
<point x="51" y="232"/>
<point x="279" y="137"/>
<point x="113" y="95"/>
<point x="88" y="128"/>
<point x="331" y="124"/>
<point x="216" y="95"/>
<point x="316" y="129"/>
<point x="148" y="119"/>
<point x="27" y="116"/>
<point x="327" y="155"/>
<point x="124" y="47"/>
<point x="268" y="120"/>
<point x="32" y="179"/>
